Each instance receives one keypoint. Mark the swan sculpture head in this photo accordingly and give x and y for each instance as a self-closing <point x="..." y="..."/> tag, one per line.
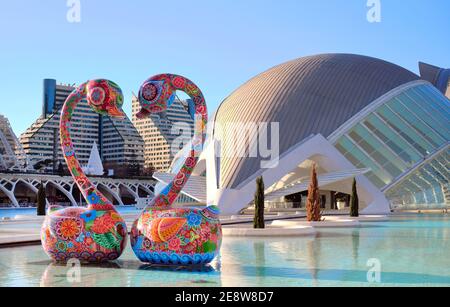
<point x="155" y="96"/>
<point x="105" y="97"/>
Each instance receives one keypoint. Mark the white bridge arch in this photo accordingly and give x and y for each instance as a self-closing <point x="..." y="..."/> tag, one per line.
<point x="114" y="189"/>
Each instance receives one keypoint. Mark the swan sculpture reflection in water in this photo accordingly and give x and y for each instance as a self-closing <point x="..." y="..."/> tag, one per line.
<point x="163" y="234"/>
<point x="96" y="233"/>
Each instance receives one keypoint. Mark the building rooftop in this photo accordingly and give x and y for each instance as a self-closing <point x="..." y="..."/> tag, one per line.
<point x="309" y="95"/>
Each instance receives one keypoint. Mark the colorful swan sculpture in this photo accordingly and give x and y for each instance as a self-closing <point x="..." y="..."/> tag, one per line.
<point x="96" y="233"/>
<point x="163" y="234"/>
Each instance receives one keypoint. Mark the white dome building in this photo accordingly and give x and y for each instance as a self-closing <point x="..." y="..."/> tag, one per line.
<point x="354" y="116"/>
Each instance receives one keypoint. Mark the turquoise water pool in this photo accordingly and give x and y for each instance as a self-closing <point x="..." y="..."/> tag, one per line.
<point x="12" y="212"/>
<point x="411" y="250"/>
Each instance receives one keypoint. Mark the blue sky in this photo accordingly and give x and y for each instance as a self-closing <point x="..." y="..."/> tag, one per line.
<point x="219" y="44"/>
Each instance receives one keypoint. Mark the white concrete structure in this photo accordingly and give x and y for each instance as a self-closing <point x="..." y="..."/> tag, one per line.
<point x="353" y="116"/>
<point x="116" y="190"/>
<point x="12" y="155"/>
<point x="316" y="149"/>
<point x="94" y="166"/>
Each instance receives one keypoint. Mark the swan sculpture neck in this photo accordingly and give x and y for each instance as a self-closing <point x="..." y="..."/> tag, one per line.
<point x="95" y="199"/>
<point x="198" y="112"/>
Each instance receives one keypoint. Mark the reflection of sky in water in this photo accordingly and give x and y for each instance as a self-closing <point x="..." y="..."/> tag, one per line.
<point x="412" y="252"/>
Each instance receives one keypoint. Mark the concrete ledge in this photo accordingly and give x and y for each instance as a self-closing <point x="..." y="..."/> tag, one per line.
<point x="29" y="218"/>
<point x="362" y="218"/>
<point x="338" y="223"/>
<point x="237" y="219"/>
<point x="269" y="231"/>
<point x="20" y="239"/>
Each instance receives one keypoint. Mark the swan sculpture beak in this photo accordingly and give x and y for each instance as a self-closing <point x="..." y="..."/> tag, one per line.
<point x="116" y="112"/>
<point x="143" y="113"/>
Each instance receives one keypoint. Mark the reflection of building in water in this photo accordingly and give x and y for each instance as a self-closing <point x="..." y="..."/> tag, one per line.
<point x="355" y="245"/>
<point x="259" y="248"/>
<point x="231" y="259"/>
<point x="67" y="275"/>
<point x="313" y="252"/>
<point x="147" y="275"/>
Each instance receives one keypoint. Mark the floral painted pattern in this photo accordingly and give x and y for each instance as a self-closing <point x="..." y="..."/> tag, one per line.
<point x="96" y="233"/>
<point x="89" y="216"/>
<point x="166" y="235"/>
<point x="103" y="224"/>
<point x="177" y="233"/>
<point x="194" y="220"/>
<point x="68" y="229"/>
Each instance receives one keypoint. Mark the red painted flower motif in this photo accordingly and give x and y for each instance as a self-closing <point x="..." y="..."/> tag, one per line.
<point x="149" y="91"/>
<point x="198" y="100"/>
<point x="190" y="162"/>
<point x="103" y="224"/>
<point x="178" y="82"/>
<point x="186" y="233"/>
<point x="205" y="233"/>
<point x="68" y="229"/>
<point x="180" y="179"/>
<point x="201" y="109"/>
<point x="160" y="202"/>
<point x="98" y="92"/>
<point x="172" y="197"/>
<point x="190" y="248"/>
<point x="175" y="244"/>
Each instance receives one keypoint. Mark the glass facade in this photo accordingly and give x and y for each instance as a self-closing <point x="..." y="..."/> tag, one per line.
<point x="399" y="135"/>
<point x="49" y="97"/>
<point x="427" y="187"/>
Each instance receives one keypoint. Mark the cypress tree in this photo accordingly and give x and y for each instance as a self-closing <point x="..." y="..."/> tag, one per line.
<point x="41" y="200"/>
<point x="313" y="213"/>
<point x="258" y="222"/>
<point x="354" y="201"/>
<point x="60" y="169"/>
